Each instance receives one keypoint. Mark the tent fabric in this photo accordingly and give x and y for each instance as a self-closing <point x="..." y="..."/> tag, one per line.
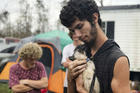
<point x="63" y="36"/>
<point x="59" y="38"/>
<point x="55" y="41"/>
<point x="51" y="57"/>
<point x="23" y="41"/>
<point x="57" y="79"/>
<point x="4" y="75"/>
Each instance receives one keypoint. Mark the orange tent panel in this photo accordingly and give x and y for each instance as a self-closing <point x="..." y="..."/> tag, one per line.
<point x="4" y="75"/>
<point x="56" y="82"/>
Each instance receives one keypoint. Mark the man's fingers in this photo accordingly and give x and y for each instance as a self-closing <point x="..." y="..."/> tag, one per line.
<point x="78" y="72"/>
<point x="76" y="63"/>
<point x="79" y="68"/>
<point x="76" y="67"/>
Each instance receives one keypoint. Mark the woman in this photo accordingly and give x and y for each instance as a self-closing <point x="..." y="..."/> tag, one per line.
<point x="29" y="75"/>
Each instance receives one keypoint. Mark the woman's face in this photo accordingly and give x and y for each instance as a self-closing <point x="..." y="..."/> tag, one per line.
<point x="30" y="62"/>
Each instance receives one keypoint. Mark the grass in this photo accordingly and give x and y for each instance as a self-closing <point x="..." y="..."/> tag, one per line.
<point x="4" y="88"/>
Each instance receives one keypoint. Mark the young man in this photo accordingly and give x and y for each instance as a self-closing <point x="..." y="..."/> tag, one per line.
<point x="28" y="76"/>
<point x="82" y="17"/>
<point x="67" y="52"/>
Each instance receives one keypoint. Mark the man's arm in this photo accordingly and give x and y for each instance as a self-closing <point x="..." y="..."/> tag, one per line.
<point x="74" y="69"/>
<point x="120" y="81"/>
<point x="21" y="88"/>
<point x="38" y="84"/>
<point x="80" y="84"/>
<point x="71" y="85"/>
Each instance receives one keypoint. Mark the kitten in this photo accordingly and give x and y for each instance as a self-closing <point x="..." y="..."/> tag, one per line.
<point x="89" y="73"/>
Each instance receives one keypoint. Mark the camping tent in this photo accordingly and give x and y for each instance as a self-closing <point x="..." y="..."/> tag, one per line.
<point x="51" y="59"/>
<point x="62" y="39"/>
<point x="63" y="36"/>
<point x="54" y="40"/>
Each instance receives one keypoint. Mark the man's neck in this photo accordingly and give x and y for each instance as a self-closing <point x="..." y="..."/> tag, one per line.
<point x="100" y="40"/>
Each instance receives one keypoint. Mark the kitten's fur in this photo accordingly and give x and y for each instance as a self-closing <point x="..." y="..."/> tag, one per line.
<point x="80" y="54"/>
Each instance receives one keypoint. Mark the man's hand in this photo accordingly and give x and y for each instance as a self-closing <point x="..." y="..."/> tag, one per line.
<point x="75" y="68"/>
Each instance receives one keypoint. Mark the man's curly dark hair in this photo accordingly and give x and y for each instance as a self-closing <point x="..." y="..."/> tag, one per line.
<point x="82" y="9"/>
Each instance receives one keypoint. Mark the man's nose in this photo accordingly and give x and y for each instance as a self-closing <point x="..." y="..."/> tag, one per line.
<point x="78" y="33"/>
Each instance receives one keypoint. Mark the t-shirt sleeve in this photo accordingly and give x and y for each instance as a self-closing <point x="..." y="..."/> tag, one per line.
<point x="42" y="72"/>
<point x="13" y="78"/>
<point x="65" y="55"/>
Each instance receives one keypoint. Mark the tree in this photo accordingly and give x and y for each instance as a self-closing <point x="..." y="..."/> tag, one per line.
<point x="24" y="23"/>
<point x="63" y="2"/>
<point x="42" y="20"/>
<point x="101" y="2"/>
<point x="4" y="16"/>
<point x="5" y="23"/>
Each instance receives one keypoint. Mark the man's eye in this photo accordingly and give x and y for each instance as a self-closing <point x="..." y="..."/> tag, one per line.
<point x="72" y="31"/>
<point x="80" y="26"/>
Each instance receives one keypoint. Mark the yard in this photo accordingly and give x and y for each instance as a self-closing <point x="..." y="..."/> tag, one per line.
<point x="4" y="88"/>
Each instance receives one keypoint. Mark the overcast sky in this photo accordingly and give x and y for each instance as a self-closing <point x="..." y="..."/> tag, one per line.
<point x="54" y="7"/>
<point x="13" y="4"/>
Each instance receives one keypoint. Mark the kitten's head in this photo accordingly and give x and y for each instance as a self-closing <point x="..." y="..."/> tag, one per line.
<point x="79" y="53"/>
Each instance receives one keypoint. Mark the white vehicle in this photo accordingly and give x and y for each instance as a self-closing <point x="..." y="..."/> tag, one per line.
<point x="2" y="41"/>
<point x="7" y="53"/>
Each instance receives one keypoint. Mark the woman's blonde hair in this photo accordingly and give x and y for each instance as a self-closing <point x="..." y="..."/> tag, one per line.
<point x="30" y="51"/>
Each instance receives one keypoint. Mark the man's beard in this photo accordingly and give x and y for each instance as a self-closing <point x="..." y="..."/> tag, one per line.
<point x="91" y="43"/>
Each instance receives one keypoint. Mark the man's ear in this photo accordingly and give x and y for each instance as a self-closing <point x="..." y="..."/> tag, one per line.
<point x="95" y="18"/>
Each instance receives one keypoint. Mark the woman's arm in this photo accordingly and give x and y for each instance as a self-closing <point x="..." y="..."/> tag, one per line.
<point x="21" y="88"/>
<point x="38" y="84"/>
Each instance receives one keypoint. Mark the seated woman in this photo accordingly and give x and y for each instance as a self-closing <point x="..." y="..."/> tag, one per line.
<point x="29" y="75"/>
